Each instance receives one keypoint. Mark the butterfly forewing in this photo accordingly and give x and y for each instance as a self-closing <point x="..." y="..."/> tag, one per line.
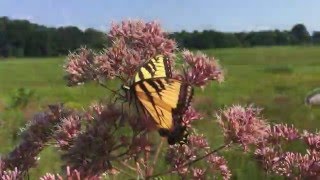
<point x="156" y="67"/>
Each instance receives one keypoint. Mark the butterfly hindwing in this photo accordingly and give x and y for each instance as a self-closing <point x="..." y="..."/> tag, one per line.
<point x="164" y="99"/>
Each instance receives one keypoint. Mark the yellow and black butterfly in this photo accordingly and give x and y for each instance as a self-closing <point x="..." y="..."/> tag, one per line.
<point x="165" y="99"/>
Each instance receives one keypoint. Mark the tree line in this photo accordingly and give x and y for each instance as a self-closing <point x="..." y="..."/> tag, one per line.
<point x="21" y="38"/>
<point x="298" y="35"/>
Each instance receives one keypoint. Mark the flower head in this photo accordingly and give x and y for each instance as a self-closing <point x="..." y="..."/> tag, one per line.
<point x="219" y="164"/>
<point x="132" y="44"/>
<point x="69" y="174"/>
<point x="67" y="130"/>
<point x="283" y="131"/>
<point x="34" y="138"/>
<point x="312" y="140"/>
<point x="91" y="151"/>
<point x="10" y="175"/>
<point x="189" y="116"/>
<point x="201" y="69"/>
<point x="180" y="157"/>
<point x="80" y="67"/>
<point x="243" y="125"/>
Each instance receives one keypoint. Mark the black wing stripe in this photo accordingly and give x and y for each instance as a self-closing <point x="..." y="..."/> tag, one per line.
<point x="141" y="76"/>
<point x="145" y="90"/>
<point x="149" y="69"/>
<point x="153" y="66"/>
<point x="155" y="87"/>
<point x="160" y="83"/>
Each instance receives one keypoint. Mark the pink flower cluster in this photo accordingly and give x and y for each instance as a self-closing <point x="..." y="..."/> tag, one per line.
<point x="180" y="157"/>
<point x="67" y="130"/>
<point x="8" y="174"/>
<point x="90" y="140"/>
<point x="274" y="158"/>
<point x="39" y="131"/>
<point x="294" y="165"/>
<point x="132" y="43"/>
<point x="70" y="175"/>
<point x="312" y="140"/>
<point x="189" y="116"/>
<point x="81" y="67"/>
<point x="242" y="125"/>
<point x="201" y="69"/>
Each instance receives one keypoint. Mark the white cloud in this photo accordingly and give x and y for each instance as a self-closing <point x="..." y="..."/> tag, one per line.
<point x="22" y="17"/>
<point x="259" y="28"/>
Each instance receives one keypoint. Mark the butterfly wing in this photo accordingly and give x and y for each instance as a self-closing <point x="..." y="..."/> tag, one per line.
<point x="156" y="67"/>
<point x="164" y="99"/>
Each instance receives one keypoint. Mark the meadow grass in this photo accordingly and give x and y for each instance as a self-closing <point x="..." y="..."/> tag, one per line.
<point x="276" y="79"/>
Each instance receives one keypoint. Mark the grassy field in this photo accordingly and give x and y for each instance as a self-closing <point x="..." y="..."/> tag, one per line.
<point x="276" y="79"/>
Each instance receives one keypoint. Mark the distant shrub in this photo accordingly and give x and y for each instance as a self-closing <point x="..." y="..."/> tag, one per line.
<point x="279" y="69"/>
<point x="11" y="121"/>
<point x="73" y="105"/>
<point x="281" y="88"/>
<point x="20" y="98"/>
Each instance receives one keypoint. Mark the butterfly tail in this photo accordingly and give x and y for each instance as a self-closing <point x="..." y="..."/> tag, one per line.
<point x="178" y="135"/>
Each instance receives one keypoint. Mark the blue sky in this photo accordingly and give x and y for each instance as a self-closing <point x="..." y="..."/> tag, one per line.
<point x="174" y="15"/>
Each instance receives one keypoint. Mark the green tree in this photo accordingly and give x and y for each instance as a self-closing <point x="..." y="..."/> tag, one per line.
<point x="242" y="38"/>
<point x="264" y="38"/>
<point x="283" y="37"/>
<point x="22" y="38"/>
<point x="316" y="37"/>
<point x="300" y="34"/>
<point x="94" y="39"/>
<point x="68" y="39"/>
<point x="228" y="40"/>
<point x="4" y="42"/>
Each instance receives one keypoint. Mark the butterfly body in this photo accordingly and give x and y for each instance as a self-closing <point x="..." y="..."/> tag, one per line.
<point x="163" y="98"/>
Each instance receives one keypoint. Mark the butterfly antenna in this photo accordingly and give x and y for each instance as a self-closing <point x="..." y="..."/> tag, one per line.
<point x="117" y="97"/>
<point x="122" y="115"/>
<point x="103" y="85"/>
<point x="111" y="90"/>
<point x="121" y="78"/>
<point x="184" y="71"/>
<point x="115" y="100"/>
<point x="129" y="112"/>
